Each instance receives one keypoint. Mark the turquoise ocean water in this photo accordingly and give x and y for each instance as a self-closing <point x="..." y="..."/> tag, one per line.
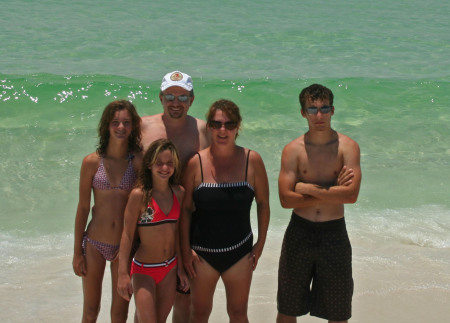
<point x="387" y="62"/>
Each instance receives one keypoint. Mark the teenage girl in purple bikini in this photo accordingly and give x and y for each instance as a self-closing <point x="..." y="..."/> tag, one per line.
<point x="110" y="173"/>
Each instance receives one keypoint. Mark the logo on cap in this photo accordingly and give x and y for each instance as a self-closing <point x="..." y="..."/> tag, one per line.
<point x="177" y="76"/>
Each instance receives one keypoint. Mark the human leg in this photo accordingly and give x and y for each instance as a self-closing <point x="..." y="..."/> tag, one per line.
<point x="332" y="288"/>
<point x="119" y="306"/>
<point x="237" y="280"/>
<point x="92" y="284"/>
<point x="202" y="291"/>
<point x="165" y="294"/>
<point x="144" y="290"/>
<point x="181" y="308"/>
<point x="295" y="271"/>
<point x="282" y="318"/>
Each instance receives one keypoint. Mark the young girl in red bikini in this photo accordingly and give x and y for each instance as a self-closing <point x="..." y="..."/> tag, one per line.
<point x="110" y="174"/>
<point x="153" y="211"/>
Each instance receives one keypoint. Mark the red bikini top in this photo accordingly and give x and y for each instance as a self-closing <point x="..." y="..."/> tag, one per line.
<point x="154" y="215"/>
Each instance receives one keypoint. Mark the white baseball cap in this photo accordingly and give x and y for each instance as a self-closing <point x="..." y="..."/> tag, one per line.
<point x="177" y="78"/>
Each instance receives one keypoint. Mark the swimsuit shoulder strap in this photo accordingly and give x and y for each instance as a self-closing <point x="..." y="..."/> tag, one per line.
<point x="100" y="179"/>
<point x="150" y="201"/>
<point x="201" y="167"/>
<point x="174" y="197"/>
<point x="173" y="193"/>
<point x="246" y="166"/>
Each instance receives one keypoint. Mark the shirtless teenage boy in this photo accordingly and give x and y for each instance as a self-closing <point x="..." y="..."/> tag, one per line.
<point x="320" y="172"/>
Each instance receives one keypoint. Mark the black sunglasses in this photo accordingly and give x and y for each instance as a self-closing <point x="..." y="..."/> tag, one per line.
<point x="181" y="98"/>
<point x="229" y="125"/>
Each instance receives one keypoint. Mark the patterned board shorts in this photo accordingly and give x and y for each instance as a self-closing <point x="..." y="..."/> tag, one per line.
<point x="315" y="271"/>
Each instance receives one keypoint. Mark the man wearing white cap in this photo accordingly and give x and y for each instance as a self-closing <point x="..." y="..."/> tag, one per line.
<point x="187" y="133"/>
<point x="189" y="136"/>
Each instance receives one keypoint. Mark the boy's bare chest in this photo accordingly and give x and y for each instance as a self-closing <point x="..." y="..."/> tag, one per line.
<point x="320" y="165"/>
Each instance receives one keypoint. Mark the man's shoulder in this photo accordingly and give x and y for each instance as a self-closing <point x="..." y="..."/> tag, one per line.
<point x="196" y="126"/>
<point x="294" y="149"/>
<point x="296" y="143"/>
<point x="152" y="128"/>
<point x="152" y="123"/>
<point x="346" y="140"/>
<point x="199" y="130"/>
<point x="155" y="118"/>
<point x="199" y="123"/>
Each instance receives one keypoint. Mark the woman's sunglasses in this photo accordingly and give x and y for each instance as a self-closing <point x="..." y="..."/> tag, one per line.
<point x="229" y="125"/>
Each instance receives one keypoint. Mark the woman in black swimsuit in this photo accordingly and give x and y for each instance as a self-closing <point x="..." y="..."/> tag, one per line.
<point x="216" y="237"/>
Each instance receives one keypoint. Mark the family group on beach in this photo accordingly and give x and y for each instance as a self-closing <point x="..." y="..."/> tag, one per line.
<point x="171" y="211"/>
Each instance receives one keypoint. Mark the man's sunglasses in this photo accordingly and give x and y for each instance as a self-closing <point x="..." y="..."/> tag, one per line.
<point x="229" y="125"/>
<point x="181" y="98"/>
<point x="324" y="110"/>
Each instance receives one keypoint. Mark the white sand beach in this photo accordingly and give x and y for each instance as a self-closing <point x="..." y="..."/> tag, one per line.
<point x="405" y="290"/>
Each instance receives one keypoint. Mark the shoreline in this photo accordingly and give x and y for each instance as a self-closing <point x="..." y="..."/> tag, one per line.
<point x="394" y="282"/>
